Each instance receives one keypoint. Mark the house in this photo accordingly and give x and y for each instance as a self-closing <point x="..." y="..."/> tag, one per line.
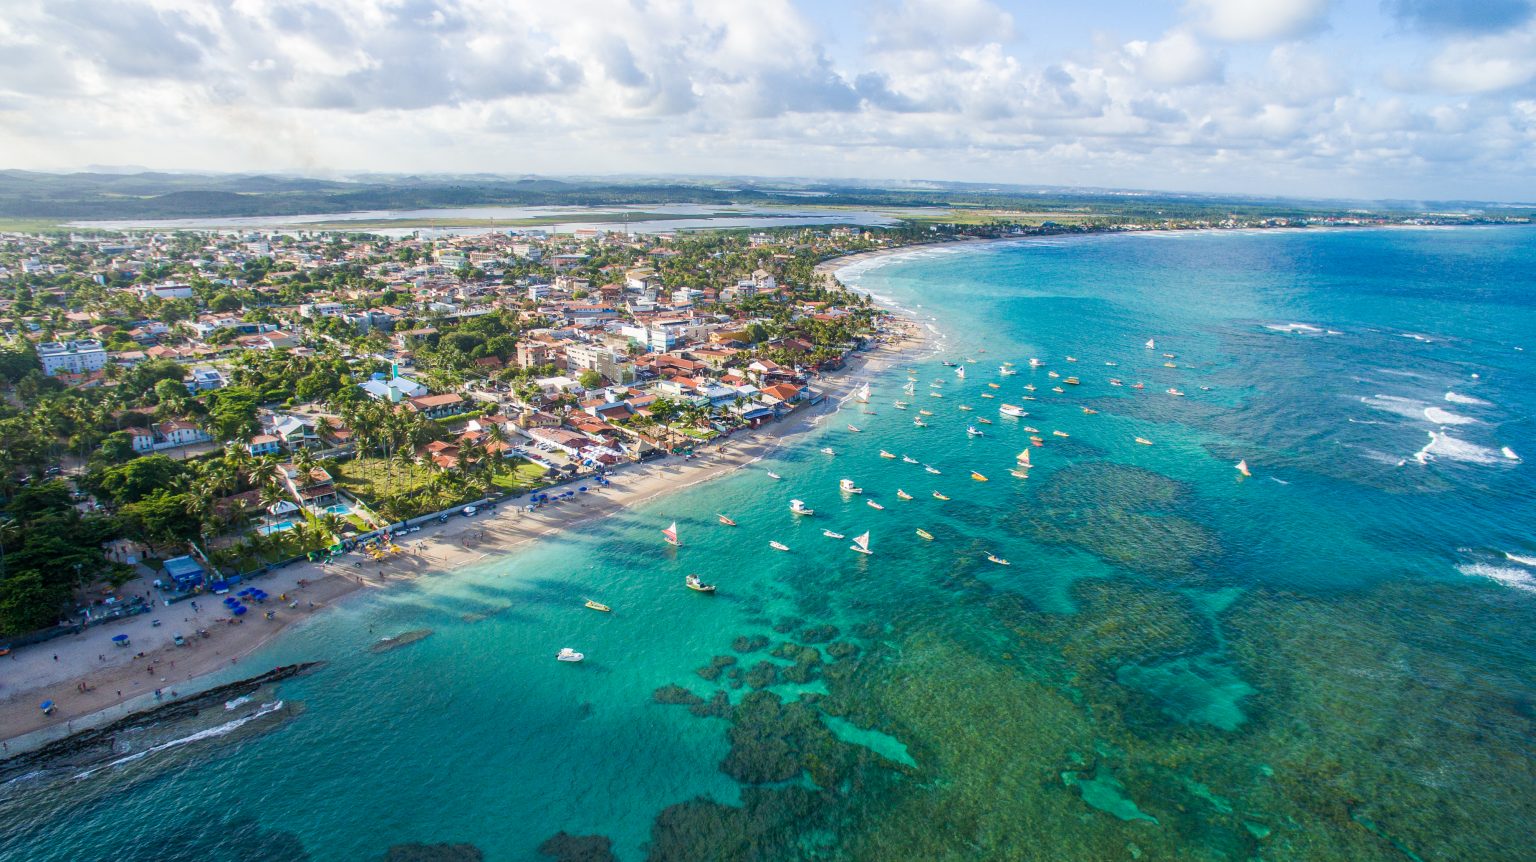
<point x="167" y="290"/>
<point x="76" y="357"/>
<point x="263" y="444"/>
<point x="185" y="572"/>
<point x="178" y="432"/>
<point x="314" y="490"/>
<point x="205" y="379"/>
<point x="143" y="439"/>
<point x="437" y="406"/>
<point x="444" y="455"/>
<point x="780" y="396"/>
<point x="395" y="388"/>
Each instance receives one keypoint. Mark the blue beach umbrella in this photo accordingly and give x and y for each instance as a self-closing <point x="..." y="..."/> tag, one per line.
<point x="46" y="706"/>
<point x="237" y="610"/>
<point x="117" y="639"/>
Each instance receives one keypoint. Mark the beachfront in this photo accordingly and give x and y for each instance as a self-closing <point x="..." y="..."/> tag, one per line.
<point x="92" y="682"/>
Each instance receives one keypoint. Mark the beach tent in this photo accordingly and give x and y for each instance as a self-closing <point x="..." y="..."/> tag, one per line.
<point x="120" y="640"/>
<point x="46" y="706"/>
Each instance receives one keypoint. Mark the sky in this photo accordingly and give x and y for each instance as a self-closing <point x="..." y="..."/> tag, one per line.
<point x="1375" y="99"/>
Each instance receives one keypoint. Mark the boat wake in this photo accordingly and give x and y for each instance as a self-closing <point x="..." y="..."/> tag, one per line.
<point x="1524" y="561"/>
<point x="210" y="733"/>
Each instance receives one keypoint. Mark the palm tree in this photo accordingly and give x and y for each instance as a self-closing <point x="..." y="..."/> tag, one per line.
<point x="264" y="471"/>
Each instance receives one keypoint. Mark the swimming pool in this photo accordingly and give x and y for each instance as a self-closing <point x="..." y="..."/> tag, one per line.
<point x="339" y="510"/>
<point x="279" y="527"/>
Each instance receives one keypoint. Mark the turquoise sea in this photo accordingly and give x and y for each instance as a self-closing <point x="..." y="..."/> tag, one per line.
<point x="1333" y="658"/>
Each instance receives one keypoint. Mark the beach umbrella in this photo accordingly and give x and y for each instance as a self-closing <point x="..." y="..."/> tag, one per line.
<point x="118" y="639"/>
<point x="237" y="610"/>
<point x="46" y="706"/>
<point x="582" y="489"/>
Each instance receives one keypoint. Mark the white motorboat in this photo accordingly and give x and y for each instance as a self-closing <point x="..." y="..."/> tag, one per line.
<point x="568" y="654"/>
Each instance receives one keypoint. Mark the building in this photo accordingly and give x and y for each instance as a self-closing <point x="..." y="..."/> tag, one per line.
<point x="167" y="290"/>
<point x="205" y="379"/>
<point x="437" y="406"/>
<point x="615" y="367"/>
<point x="263" y="444"/>
<point x="75" y="357"/>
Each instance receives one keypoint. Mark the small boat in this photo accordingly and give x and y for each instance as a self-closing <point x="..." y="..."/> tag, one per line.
<point x="798" y="507"/>
<point x="1030" y="429"/>
<point x="885" y="454"/>
<point x="597" y="606"/>
<point x="1036" y="441"/>
<point x="970" y="361"/>
<point x="937" y="384"/>
<point x="901" y="405"/>
<point x="1143" y="441"/>
<point x="831" y="535"/>
<point x="1013" y="410"/>
<point x="861" y="544"/>
<point x="1061" y="433"/>
<point x="1242" y="467"/>
<point x="1176" y="393"/>
<point x="1071" y="381"/>
<point x="1071" y="358"/>
<point x="919" y="423"/>
<point x="1114" y="382"/>
<point x="935" y="395"/>
<point x="1005" y="371"/>
<point x="902" y="495"/>
<point x="988" y="395"/>
<point x="973" y="431"/>
<point x="670" y="534"/>
<point x="994" y="386"/>
<point x="773" y="475"/>
<point x="847" y="487"/>
<point x="965" y="408"/>
<point x="983" y="420"/>
<point x="568" y="654"/>
<point x="933" y="470"/>
<point x="1058" y="389"/>
<point x="1018" y="474"/>
<point x="874" y="505"/>
<point x="999" y="560"/>
<point x="938" y="496"/>
<point x="1138" y="386"/>
<point x="925" y="412"/>
<point x="1169" y="365"/>
<point x="1151" y="344"/>
<point x="924" y="534"/>
<point x="1035" y="363"/>
<point x="778" y="546"/>
<point x="853" y="428"/>
<point x="947" y="364"/>
<point x="827" y="450"/>
<point x="1168" y="356"/>
<point x="1112" y="364"/>
<point x="1029" y="387"/>
<point x="1052" y="374"/>
<point x="694" y="583"/>
<point x="978" y="477"/>
<point x="1089" y="411"/>
<point x="724" y="520"/>
<point x="908" y="459"/>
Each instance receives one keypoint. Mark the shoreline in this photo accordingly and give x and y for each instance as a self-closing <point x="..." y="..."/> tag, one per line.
<point x="117" y="683"/>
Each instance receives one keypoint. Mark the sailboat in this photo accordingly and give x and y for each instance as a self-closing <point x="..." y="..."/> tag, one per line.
<point x="778" y="546"/>
<point x="999" y="560"/>
<point x="919" y="423"/>
<point x="978" y="477"/>
<point x="724" y="520"/>
<point x="874" y="505"/>
<point x="799" y="508"/>
<point x="831" y="535"/>
<point x="1242" y="467"/>
<point x="926" y="412"/>
<point x="960" y="372"/>
<point x="773" y="475"/>
<point x="847" y="487"/>
<point x="885" y="454"/>
<point x="861" y="544"/>
<point x="910" y="388"/>
<point x="933" y="470"/>
<point x="902" y="495"/>
<point x="1023" y="459"/>
<point x="861" y="395"/>
<point x="670" y="534"/>
<point x="1151" y="344"/>
<point x="924" y="534"/>
<point x="827" y="450"/>
<point x="694" y="583"/>
<point x="938" y="496"/>
<point x="853" y="428"/>
<point x="900" y="405"/>
<point x="1018" y="474"/>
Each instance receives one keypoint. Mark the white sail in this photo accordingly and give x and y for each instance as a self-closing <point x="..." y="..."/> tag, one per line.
<point x="862" y="394"/>
<point x="862" y="542"/>
<point x="1024" y="458"/>
<point x="671" y="533"/>
<point x="1151" y="344"/>
<point x="1242" y="467"/>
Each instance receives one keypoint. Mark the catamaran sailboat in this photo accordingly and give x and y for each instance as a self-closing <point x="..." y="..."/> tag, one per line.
<point x="1023" y="459"/>
<point x="1151" y="344"/>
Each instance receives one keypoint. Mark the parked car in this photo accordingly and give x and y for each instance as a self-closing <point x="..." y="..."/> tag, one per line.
<point x="469" y="511"/>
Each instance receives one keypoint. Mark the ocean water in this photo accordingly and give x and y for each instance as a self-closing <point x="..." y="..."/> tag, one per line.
<point x="1332" y="658"/>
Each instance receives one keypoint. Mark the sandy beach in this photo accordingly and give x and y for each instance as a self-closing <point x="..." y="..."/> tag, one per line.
<point x="93" y="682"/>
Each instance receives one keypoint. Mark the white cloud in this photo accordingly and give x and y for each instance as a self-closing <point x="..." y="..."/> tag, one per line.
<point x="1484" y="65"/>
<point x="1175" y="60"/>
<point x="1258" y="20"/>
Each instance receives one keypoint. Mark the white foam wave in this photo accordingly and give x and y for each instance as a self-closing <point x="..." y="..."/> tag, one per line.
<point x="1407" y="407"/>
<point x="1516" y="558"/>
<point x="1446" y="417"/>
<point x="1298" y="328"/>
<point x="1445" y="447"/>
<point x="1509" y="576"/>
<point x="1456" y="398"/>
<point x="222" y="730"/>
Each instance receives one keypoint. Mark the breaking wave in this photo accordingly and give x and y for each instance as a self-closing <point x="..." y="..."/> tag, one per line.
<point x="1509" y="576"/>
<point x="1457" y="398"/>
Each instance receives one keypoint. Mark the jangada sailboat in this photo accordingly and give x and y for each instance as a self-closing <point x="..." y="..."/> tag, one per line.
<point x="902" y="495"/>
<point x="1242" y="467"/>
<point x="861" y="395"/>
<point x="670" y="534"/>
<point x="1023" y="459"/>
<point x="861" y="544"/>
<point x="724" y="520"/>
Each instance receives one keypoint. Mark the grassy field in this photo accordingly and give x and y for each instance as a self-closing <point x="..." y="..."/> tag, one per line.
<point x="29" y="225"/>
<point x="375" y="478"/>
<point x="538" y="221"/>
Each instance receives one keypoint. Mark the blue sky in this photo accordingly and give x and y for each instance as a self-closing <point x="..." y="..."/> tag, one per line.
<point x="1408" y="99"/>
